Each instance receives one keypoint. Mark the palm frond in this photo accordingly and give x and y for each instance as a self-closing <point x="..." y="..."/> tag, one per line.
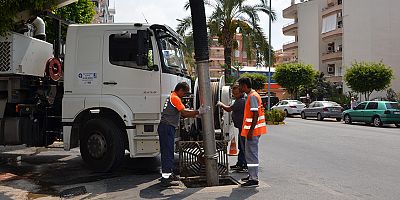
<point x="184" y="25"/>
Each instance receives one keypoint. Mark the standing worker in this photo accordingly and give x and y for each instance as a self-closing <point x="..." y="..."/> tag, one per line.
<point x="253" y="127"/>
<point x="237" y="110"/>
<point x="170" y="116"/>
<point x="353" y="103"/>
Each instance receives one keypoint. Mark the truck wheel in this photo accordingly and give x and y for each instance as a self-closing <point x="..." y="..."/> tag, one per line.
<point x="101" y="145"/>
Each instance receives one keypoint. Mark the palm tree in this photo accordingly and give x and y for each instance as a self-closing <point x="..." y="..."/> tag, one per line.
<point x="230" y="16"/>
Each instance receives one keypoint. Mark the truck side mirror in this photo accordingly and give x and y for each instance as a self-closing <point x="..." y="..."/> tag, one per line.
<point x="143" y="48"/>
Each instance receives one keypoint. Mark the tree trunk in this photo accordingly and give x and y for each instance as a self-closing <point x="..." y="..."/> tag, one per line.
<point x="228" y="61"/>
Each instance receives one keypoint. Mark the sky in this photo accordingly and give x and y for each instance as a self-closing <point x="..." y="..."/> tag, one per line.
<point x="167" y="11"/>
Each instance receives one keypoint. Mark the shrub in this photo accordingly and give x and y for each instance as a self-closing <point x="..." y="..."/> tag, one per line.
<point x="275" y="116"/>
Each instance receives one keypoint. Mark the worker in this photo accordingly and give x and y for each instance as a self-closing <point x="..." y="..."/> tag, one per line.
<point x="253" y="127"/>
<point x="169" y="122"/>
<point x="237" y="109"/>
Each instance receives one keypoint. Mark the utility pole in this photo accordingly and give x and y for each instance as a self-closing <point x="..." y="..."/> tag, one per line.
<point x="269" y="57"/>
<point x="201" y="55"/>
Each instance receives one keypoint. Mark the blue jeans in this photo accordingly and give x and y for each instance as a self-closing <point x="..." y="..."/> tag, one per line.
<point x="167" y="136"/>
<point x="241" y="157"/>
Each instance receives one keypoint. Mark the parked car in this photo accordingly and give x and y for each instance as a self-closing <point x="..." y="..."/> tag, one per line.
<point x="323" y="109"/>
<point x="291" y="107"/>
<point x="375" y="112"/>
<point x="273" y="100"/>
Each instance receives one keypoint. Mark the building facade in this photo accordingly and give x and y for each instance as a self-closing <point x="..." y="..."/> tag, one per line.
<point x="104" y="13"/>
<point x="239" y="56"/>
<point x="333" y="34"/>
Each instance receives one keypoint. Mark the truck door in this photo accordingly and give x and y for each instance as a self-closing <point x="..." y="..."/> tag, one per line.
<point x="138" y="85"/>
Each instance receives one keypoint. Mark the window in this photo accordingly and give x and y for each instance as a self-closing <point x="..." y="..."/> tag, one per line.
<point x="329" y="23"/>
<point x="372" y="106"/>
<point x="392" y="106"/>
<point x="360" y="106"/>
<point x="172" y="54"/>
<point x="311" y="105"/>
<point x="123" y="50"/>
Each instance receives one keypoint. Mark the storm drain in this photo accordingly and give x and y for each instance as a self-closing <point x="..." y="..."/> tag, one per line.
<point x="76" y="191"/>
<point x="199" y="182"/>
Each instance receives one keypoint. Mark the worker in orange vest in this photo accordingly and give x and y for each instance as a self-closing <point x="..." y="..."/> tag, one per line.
<point x="253" y="127"/>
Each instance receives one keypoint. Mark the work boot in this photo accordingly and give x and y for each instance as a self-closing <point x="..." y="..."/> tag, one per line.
<point x="168" y="182"/>
<point x="235" y="167"/>
<point x="250" y="183"/>
<point x="245" y="179"/>
<point x="241" y="169"/>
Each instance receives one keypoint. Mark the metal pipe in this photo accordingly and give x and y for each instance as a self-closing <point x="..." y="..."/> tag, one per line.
<point x="269" y="57"/>
<point x="201" y="55"/>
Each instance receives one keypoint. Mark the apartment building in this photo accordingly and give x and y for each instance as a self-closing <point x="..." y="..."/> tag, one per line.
<point x="333" y="34"/>
<point x="283" y="57"/>
<point x="239" y="55"/>
<point x="104" y="12"/>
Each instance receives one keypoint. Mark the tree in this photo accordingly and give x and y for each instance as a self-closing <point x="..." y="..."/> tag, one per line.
<point x="81" y="12"/>
<point x="10" y="8"/>
<point x="229" y="16"/>
<point x="294" y="75"/>
<point x="258" y="80"/>
<point x="367" y="77"/>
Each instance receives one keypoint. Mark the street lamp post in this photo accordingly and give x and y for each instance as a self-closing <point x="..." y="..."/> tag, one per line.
<point x="269" y="57"/>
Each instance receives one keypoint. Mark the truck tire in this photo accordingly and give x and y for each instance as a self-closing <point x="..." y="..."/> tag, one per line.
<point x="102" y="145"/>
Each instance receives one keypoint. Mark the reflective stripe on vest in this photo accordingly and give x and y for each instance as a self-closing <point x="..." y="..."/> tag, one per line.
<point x="260" y="127"/>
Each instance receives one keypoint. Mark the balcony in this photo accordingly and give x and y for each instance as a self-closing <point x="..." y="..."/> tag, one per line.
<point x="290" y="12"/>
<point x="290" y="29"/>
<point x="333" y="56"/>
<point x="331" y="9"/>
<point x="333" y="34"/>
<point x="290" y="46"/>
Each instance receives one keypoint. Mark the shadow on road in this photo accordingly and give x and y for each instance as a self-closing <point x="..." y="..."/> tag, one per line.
<point x="59" y="169"/>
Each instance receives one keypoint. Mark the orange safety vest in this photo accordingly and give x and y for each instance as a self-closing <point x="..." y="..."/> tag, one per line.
<point x="260" y="127"/>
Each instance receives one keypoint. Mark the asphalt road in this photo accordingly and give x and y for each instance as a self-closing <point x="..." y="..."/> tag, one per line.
<point x="309" y="159"/>
<point x="303" y="159"/>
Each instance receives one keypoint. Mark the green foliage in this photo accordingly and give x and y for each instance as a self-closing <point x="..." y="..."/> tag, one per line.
<point x="10" y="8"/>
<point x="258" y="80"/>
<point x="294" y="75"/>
<point x="229" y="16"/>
<point x="81" y="12"/>
<point x="391" y="95"/>
<point x="367" y="77"/>
<point x="275" y="115"/>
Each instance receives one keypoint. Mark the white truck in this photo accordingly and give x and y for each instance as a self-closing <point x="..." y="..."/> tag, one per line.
<point x="108" y="97"/>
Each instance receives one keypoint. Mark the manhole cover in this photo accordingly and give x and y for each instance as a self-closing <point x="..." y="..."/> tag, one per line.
<point x="202" y="182"/>
<point x="73" y="192"/>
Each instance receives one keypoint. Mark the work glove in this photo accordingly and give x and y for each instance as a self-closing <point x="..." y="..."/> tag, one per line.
<point x="219" y="103"/>
<point x="203" y="109"/>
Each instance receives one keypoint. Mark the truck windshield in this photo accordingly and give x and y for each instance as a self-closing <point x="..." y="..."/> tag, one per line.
<point x="171" y="53"/>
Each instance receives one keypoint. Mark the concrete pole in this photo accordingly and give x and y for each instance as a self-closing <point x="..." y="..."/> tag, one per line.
<point x="269" y="58"/>
<point x="201" y="55"/>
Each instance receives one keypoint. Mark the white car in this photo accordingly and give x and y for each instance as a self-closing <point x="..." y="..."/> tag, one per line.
<point x="291" y="107"/>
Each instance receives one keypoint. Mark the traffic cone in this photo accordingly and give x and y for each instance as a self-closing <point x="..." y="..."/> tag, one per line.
<point x="233" y="151"/>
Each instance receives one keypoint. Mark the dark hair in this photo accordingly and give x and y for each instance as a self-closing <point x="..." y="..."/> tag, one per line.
<point x="235" y="87"/>
<point x="182" y="85"/>
<point x="245" y="81"/>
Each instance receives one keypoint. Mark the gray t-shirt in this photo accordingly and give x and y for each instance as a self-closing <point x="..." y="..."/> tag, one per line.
<point x="238" y="112"/>
<point x="171" y="112"/>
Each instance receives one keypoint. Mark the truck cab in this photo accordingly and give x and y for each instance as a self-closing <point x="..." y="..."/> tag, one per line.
<point x="116" y="79"/>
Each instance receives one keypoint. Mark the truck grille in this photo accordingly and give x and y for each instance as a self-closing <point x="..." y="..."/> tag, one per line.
<point x="192" y="160"/>
<point x="5" y="56"/>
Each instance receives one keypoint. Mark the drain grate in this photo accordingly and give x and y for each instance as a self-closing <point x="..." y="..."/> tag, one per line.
<point x="192" y="158"/>
<point x="200" y="182"/>
<point x="73" y="192"/>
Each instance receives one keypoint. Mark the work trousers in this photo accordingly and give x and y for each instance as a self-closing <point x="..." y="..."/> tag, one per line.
<point x="166" y="134"/>
<point x="241" y="157"/>
<point x="251" y="153"/>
